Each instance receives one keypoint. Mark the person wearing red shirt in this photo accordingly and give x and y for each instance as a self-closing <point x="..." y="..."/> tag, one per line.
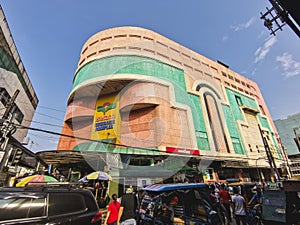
<point x="225" y="199"/>
<point x="112" y="211"/>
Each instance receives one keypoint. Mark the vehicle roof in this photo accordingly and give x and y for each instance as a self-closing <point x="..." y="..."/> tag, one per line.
<point x="40" y="188"/>
<point x="171" y="187"/>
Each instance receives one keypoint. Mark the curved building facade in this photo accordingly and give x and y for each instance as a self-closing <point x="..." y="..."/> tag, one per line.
<point x="142" y="99"/>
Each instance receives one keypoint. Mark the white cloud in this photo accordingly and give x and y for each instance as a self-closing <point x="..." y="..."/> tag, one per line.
<point x="245" y="25"/>
<point x="261" y="52"/>
<point x="225" y="38"/>
<point x="289" y="65"/>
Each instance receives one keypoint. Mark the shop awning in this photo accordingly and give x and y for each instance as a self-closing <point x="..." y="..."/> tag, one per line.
<point x="60" y="157"/>
<point x="111" y="148"/>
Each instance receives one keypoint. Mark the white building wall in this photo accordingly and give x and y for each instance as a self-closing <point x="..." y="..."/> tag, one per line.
<point x="11" y="83"/>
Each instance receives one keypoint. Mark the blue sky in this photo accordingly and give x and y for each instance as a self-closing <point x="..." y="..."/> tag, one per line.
<point x="49" y="35"/>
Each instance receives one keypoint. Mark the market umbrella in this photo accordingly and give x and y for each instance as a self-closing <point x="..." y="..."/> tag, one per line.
<point x="97" y="175"/>
<point x="35" y="178"/>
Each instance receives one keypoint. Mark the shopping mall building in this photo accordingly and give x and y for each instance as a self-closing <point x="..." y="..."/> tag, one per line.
<point x="156" y="110"/>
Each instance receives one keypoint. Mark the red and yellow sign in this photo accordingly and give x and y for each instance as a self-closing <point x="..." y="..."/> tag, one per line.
<point x="106" y="123"/>
<point x="182" y="151"/>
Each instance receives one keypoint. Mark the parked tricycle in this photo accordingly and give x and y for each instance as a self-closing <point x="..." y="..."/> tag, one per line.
<point x="187" y="204"/>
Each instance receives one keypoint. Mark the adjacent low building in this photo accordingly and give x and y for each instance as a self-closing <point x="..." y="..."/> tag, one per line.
<point x="18" y="102"/>
<point x="158" y="111"/>
<point x="289" y="131"/>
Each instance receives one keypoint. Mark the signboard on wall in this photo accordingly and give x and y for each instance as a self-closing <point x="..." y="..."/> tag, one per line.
<point x="182" y="151"/>
<point x="106" y="123"/>
<point x="143" y="182"/>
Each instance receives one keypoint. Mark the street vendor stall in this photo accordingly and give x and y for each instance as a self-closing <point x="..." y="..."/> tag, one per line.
<point x="98" y="183"/>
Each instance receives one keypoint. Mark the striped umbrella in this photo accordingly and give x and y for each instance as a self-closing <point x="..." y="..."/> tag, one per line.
<point x="97" y="175"/>
<point x="35" y="178"/>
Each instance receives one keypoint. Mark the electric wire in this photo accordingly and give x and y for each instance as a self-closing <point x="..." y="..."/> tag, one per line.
<point x="52" y="117"/>
<point x="209" y="157"/>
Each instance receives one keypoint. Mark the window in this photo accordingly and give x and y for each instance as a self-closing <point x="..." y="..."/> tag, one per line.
<point x="5" y="98"/>
<point x="11" y="208"/>
<point x="37" y="208"/>
<point x="262" y="110"/>
<point x="257" y="148"/>
<point x="19" y="116"/>
<point x="239" y="100"/>
<point x="94" y="42"/>
<point x="60" y="203"/>
<point x="230" y="77"/>
<point x="121" y="36"/>
<point x="249" y="145"/>
<point x="22" y="207"/>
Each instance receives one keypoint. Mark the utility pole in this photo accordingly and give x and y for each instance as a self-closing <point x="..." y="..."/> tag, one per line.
<point x="7" y="130"/>
<point x="269" y="154"/>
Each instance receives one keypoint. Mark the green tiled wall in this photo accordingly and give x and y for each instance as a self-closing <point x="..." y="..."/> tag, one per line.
<point x="154" y="68"/>
<point x="233" y="130"/>
<point x="237" y="114"/>
<point x="149" y="67"/>
<point x="201" y="134"/>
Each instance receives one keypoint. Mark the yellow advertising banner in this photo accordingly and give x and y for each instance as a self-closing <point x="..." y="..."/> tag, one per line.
<point x="106" y="123"/>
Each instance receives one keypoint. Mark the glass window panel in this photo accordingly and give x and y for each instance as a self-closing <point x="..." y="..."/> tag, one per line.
<point x="60" y="203"/>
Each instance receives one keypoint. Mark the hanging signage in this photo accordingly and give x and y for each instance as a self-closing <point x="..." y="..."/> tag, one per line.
<point x="106" y="118"/>
<point x="182" y="151"/>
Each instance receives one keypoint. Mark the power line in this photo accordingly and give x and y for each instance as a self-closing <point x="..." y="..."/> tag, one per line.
<point x="49" y="116"/>
<point x="81" y="138"/>
<point x="41" y="106"/>
<point x="57" y="110"/>
<point x="115" y="144"/>
<point x="99" y="141"/>
<point x="47" y="124"/>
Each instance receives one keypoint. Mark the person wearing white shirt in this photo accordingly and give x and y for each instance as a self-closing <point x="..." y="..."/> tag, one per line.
<point x="239" y="207"/>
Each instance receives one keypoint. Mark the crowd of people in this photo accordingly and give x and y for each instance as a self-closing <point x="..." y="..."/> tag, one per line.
<point x="123" y="211"/>
<point x="230" y="206"/>
<point x="234" y="206"/>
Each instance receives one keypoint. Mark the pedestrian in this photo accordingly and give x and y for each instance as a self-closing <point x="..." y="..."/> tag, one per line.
<point x="112" y="211"/>
<point x="257" y="200"/>
<point x="225" y="199"/>
<point x="127" y="212"/>
<point x="215" y="198"/>
<point x="257" y="196"/>
<point x="239" y="207"/>
<point x="172" y="219"/>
